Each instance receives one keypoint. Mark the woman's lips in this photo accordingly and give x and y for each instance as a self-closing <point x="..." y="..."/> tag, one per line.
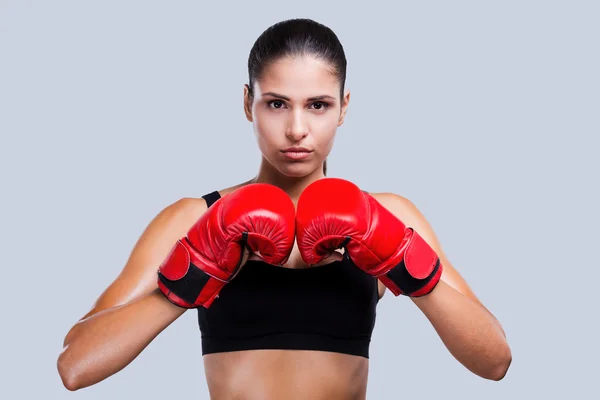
<point x="296" y="153"/>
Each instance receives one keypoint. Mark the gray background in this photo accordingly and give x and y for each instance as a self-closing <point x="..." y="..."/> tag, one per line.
<point x="484" y="114"/>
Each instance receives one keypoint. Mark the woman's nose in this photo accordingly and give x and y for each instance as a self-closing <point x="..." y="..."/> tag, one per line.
<point x="298" y="126"/>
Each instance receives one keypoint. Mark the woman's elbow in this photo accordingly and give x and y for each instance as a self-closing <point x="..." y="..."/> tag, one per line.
<point x="501" y="368"/>
<point x="66" y="371"/>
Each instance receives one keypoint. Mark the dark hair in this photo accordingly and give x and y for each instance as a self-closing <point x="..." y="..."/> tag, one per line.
<point x="293" y="38"/>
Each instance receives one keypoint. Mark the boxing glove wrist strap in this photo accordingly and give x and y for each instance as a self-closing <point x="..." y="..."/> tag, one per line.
<point x="415" y="270"/>
<point x="399" y="281"/>
<point x="185" y="283"/>
<point x="188" y="288"/>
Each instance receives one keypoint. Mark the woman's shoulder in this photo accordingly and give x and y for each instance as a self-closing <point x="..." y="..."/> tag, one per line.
<point x="407" y="212"/>
<point x="398" y="205"/>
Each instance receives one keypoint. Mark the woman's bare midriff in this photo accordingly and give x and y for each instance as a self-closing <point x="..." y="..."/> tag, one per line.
<point x="286" y="374"/>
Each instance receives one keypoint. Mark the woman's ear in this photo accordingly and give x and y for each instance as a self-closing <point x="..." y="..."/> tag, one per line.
<point x="247" y="103"/>
<point x="345" y="102"/>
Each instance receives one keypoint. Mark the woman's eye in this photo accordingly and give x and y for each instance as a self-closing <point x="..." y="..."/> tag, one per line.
<point x="320" y="105"/>
<point x="276" y="104"/>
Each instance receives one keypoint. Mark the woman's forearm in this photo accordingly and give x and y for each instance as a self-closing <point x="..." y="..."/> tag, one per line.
<point x="104" y="343"/>
<point x="471" y="334"/>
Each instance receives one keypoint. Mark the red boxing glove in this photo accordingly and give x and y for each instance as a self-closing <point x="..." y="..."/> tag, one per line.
<point x="334" y="213"/>
<point x="257" y="216"/>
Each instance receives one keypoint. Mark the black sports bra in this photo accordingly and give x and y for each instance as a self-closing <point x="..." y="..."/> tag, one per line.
<point x="327" y="308"/>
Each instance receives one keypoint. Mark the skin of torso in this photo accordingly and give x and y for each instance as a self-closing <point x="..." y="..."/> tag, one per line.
<point x="286" y="374"/>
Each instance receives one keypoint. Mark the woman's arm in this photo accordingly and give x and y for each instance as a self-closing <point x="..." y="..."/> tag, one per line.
<point x="469" y="331"/>
<point x="106" y="342"/>
<point x="131" y="312"/>
<point x="471" y="334"/>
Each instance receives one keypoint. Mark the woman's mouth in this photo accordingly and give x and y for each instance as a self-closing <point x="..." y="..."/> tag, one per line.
<point x="296" y="153"/>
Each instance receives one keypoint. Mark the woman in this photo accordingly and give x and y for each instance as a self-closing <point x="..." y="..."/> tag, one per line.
<point x="269" y="323"/>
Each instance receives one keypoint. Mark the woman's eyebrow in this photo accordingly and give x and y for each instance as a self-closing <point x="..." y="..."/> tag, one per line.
<point x="314" y="98"/>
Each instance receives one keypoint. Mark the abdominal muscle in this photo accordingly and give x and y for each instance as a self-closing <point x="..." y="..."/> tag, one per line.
<point x="286" y="374"/>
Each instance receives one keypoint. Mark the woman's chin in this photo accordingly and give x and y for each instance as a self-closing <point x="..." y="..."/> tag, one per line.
<point x="297" y="170"/>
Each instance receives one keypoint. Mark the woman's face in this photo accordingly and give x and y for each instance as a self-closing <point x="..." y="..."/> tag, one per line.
<point x="295" y="111"/>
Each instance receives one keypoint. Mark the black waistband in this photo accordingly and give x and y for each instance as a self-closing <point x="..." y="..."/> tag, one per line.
<point x="288" y="341"/>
